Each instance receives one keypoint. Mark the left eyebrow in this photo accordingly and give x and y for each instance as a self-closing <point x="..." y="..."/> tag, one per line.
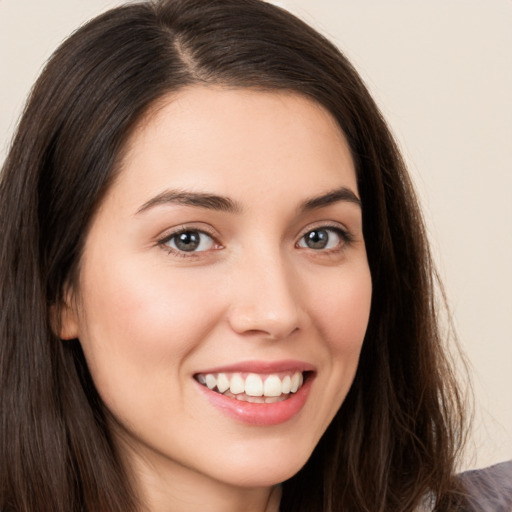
<point x="334" y="196"/>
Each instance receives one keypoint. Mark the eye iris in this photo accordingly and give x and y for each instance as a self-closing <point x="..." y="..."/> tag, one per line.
<point x="187" y="241"/>
<point x="317" y="239"/>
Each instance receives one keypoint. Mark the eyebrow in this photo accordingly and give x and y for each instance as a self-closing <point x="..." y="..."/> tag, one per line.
<point x="225" y="204"/>
<point x="334" y="196"/>
<point x="198" y="199"/>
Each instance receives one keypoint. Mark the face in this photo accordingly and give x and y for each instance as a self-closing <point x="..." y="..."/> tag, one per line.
<point x="224" y="288"/>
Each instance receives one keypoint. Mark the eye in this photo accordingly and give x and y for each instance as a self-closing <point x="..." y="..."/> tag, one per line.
<point x="189" y="241"/>
<point x="322" y="239"/>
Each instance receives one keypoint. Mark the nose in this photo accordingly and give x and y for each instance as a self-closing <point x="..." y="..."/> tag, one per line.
<point x="265" y="299"/>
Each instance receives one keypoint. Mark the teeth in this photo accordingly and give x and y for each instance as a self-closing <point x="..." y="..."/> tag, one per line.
<point x="222" y="383"/>
<point x="253" y="387"/>
<point x="296" y="382"/>
<point x="274" y="399"/>
<point x="211" y="381"/>
<point x="273" y="386"/>
<point x="254" y="399"/>
<point x="286" y="385"/>
<point x="237" y="385"/>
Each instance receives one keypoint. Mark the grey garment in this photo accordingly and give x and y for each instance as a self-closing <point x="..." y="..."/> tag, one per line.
<point x="490" y="489"/>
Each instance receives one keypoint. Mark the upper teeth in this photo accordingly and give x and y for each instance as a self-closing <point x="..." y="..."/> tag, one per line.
<point x="253" y="384"/>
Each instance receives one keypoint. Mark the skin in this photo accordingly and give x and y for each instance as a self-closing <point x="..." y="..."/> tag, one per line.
<point x="150" y="317"/>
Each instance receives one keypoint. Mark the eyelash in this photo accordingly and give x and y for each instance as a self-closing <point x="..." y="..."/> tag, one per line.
<point x="344" y="235"/>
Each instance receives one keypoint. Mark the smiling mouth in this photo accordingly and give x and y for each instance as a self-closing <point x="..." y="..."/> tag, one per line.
<point x="254" y="387"/>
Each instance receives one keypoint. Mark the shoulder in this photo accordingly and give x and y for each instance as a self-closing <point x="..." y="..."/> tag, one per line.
<point x="490" y="489"/>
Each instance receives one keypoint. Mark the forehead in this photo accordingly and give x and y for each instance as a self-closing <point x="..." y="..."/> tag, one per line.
<point x="222" y="138"/>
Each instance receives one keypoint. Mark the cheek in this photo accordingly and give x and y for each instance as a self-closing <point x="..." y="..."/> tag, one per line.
<point x="137" y="319"/>
<point x="341" y="315"/>
<point x="340" y="311"/>
<point x="343" y="308"/>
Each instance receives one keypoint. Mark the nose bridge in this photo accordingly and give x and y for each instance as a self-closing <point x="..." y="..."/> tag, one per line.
<point x="265" y="298"/>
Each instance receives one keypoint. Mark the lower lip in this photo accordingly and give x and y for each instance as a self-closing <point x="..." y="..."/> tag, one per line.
<point x="260" y="414"/>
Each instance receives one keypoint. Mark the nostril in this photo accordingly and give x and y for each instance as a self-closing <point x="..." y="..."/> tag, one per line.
<point x="258" y="323"/>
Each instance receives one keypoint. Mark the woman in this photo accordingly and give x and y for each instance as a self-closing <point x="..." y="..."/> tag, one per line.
<point x="216" y="280"/>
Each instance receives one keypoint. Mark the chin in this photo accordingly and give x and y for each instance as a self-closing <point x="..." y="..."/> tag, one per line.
<point x="264" y="468"/>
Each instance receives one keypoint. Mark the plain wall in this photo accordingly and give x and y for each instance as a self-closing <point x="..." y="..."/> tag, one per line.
<point x="441" y="72"/>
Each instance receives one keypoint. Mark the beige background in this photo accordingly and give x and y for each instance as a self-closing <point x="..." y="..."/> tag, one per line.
<point x="442" y="73"/>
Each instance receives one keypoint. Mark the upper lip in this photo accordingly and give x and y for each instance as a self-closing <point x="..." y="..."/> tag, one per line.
<point x="262" y="367"/>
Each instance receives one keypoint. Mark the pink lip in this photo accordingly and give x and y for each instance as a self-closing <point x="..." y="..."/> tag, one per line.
<point x="262" y="367"/>
<point x="261" y="414"/>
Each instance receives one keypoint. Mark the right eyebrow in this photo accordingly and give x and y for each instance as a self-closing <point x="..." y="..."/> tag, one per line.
<point x="198" y="199"/>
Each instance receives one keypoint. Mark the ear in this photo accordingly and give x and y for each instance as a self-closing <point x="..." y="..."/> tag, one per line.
<point x="64" y="317"/>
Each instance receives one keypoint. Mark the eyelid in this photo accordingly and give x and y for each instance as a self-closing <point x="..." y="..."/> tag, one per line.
<point x="326" y="224"/>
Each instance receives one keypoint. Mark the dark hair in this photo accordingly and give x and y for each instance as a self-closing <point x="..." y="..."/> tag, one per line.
<point x="393" y="442"/>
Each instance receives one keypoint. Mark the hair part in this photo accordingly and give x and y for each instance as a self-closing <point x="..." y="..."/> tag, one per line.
<point x="394" y="440"/>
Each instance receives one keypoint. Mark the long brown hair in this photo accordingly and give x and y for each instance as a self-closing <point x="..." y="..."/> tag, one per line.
<point x="393" y="442"/>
